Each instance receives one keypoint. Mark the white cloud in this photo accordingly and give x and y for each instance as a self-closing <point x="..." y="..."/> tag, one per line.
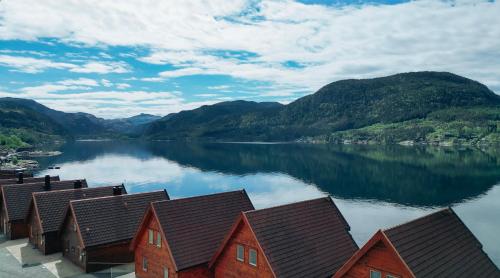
<point x="102" y="68"/>
<point x="31" y="65"/>
<point x="256" y="40"/>
<point x="36" y="65"/>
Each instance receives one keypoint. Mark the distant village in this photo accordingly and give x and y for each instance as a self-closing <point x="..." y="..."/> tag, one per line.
<point x="223" y="235"/>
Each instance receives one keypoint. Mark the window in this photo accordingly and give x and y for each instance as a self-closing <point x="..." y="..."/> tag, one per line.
<point x="375" y="274"/>
<point x="82" y="255"/>
<point x="74" y="226"/>
<point x="240" y="253"/>
<point x="252" y="257"/>
<point x="151" y="236"/>
<point x="391" y="276"/>
<point x="144" y="263"/>
<point x="158" y="240"/>
<point x="165" y="272"/>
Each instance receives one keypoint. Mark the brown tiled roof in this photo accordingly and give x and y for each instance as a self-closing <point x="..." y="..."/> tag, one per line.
<point x="112" y="219"/>
<point x="18" y="196"/>
<point x="26" y="180"/>
<point x="440" y="245"/>
<point x="194" y="227"/>
<point x="52" y="205"/>
<point x="304" y="239"/>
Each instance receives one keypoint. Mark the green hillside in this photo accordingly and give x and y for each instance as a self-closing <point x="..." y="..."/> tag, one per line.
<point x="425" y="107"/>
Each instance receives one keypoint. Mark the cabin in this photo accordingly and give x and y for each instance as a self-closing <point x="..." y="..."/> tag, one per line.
<point x="436" y="245"/>
<point x="19" y="180"/>
<point x="23" y="179"/>
<point x="16" y="199"/>
<point x="303" y="239"/>
<point x="96" y="233"/>
<point x="47" y="209"/>
<point x="177" y="238"/>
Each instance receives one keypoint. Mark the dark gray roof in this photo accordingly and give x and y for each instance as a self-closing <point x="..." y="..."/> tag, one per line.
<point x="52" y="205"/>
<point x="112" y="219"/>
<point x="195" y="227"/>
<point x="440" y="245"/>
<point x="26" y="180"/>
<point x="18" y="197"/>
<point x="304" y="239"/>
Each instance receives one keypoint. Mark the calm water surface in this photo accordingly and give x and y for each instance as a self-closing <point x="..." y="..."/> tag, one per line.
<point x="374" y="187"/>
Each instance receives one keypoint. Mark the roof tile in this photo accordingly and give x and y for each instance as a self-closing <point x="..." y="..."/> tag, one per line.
<point x="304" y="239"/>
<point x="195" y="227"/>
<point x="111" y="219"/>
<point x="440" y="245"/>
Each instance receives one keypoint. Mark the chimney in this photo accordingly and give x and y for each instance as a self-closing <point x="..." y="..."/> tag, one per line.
<point x="20" y="177"/>
<point x="117" y="190"/>
<point x="47" y="186"/>
<point x="78" y="184"/>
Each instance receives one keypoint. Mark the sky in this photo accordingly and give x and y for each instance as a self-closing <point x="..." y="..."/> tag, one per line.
<point x="120" y="58"/>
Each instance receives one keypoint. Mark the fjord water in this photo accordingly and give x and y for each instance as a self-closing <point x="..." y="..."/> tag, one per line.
<point x="375" y="187"/>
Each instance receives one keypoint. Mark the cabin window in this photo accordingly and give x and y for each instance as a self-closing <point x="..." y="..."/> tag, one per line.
<point x="158" y="240"/>
<point x="240" y="253"/>
<point x="165" y="272"/>
<point x="375" y="274"/>
<point x="391" y="276"/>
<point x="252" y="257"/>
<point x="144" y="263"/>
<point x="82" y="255"/>
<point x="151" y="235"/>
<point x="74" y="226"/>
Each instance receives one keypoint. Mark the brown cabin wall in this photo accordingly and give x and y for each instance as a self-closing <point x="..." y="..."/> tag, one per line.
<point x="18" y="229"/>
<point x="3" y="219"/>
<point x="106" y="256"/>
<point x="34" y="229"/>
<point x="228" y="266"/>
<point x="71" y="243"/>
<point x="380" y="258"/>
<point x="158" y="258"/>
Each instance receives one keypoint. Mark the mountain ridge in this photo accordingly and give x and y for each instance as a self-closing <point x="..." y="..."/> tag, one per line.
<point x="408" y="108"/>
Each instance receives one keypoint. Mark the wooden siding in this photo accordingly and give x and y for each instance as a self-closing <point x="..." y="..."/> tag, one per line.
<point x="228" y="266"/>
<point x="18" y="229"/>
<point x="379" y="258"/>
<point x="71" y="243"/>
<point x="106" y="256"/>
<point x="35" y="233"/>
<point x="158" y="258"/>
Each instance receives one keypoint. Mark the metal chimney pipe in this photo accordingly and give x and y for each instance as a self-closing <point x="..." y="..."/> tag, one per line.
<point x="78" y="184"/>
<point x="47" y="183"/>
<point x="20" y="177"/>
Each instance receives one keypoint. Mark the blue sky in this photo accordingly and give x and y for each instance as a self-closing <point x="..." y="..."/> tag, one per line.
<point x="117" y="59"/>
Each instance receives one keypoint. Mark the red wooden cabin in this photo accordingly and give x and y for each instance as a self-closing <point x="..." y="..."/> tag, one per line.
<point x="304" y="239"/>
<point x="47" y="211"/>
<point x="96" y="233"/>
<point x="436" y="245"/>
<point x="177" y="238"/>
<point x="16" y="199"/>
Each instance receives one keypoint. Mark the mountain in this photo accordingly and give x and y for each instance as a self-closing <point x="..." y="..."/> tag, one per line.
<point x="25" y="121"/>
<point x="133" y="125"/>
<point x="209" y="121"/>
<point x="406" y="108"/>
<point x="416" y="107"/>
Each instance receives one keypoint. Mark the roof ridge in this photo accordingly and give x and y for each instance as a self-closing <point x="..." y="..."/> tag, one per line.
<point x="289" y="204"/>
<point x="202" y="196"/>
<point x="71" y="189"/>
<point x="40" y="183"/>
<point x="419" y="218"/>
<point x="112" y="196"/>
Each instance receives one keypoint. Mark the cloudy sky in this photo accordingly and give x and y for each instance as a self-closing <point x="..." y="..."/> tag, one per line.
<point x="120" y="58"/>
